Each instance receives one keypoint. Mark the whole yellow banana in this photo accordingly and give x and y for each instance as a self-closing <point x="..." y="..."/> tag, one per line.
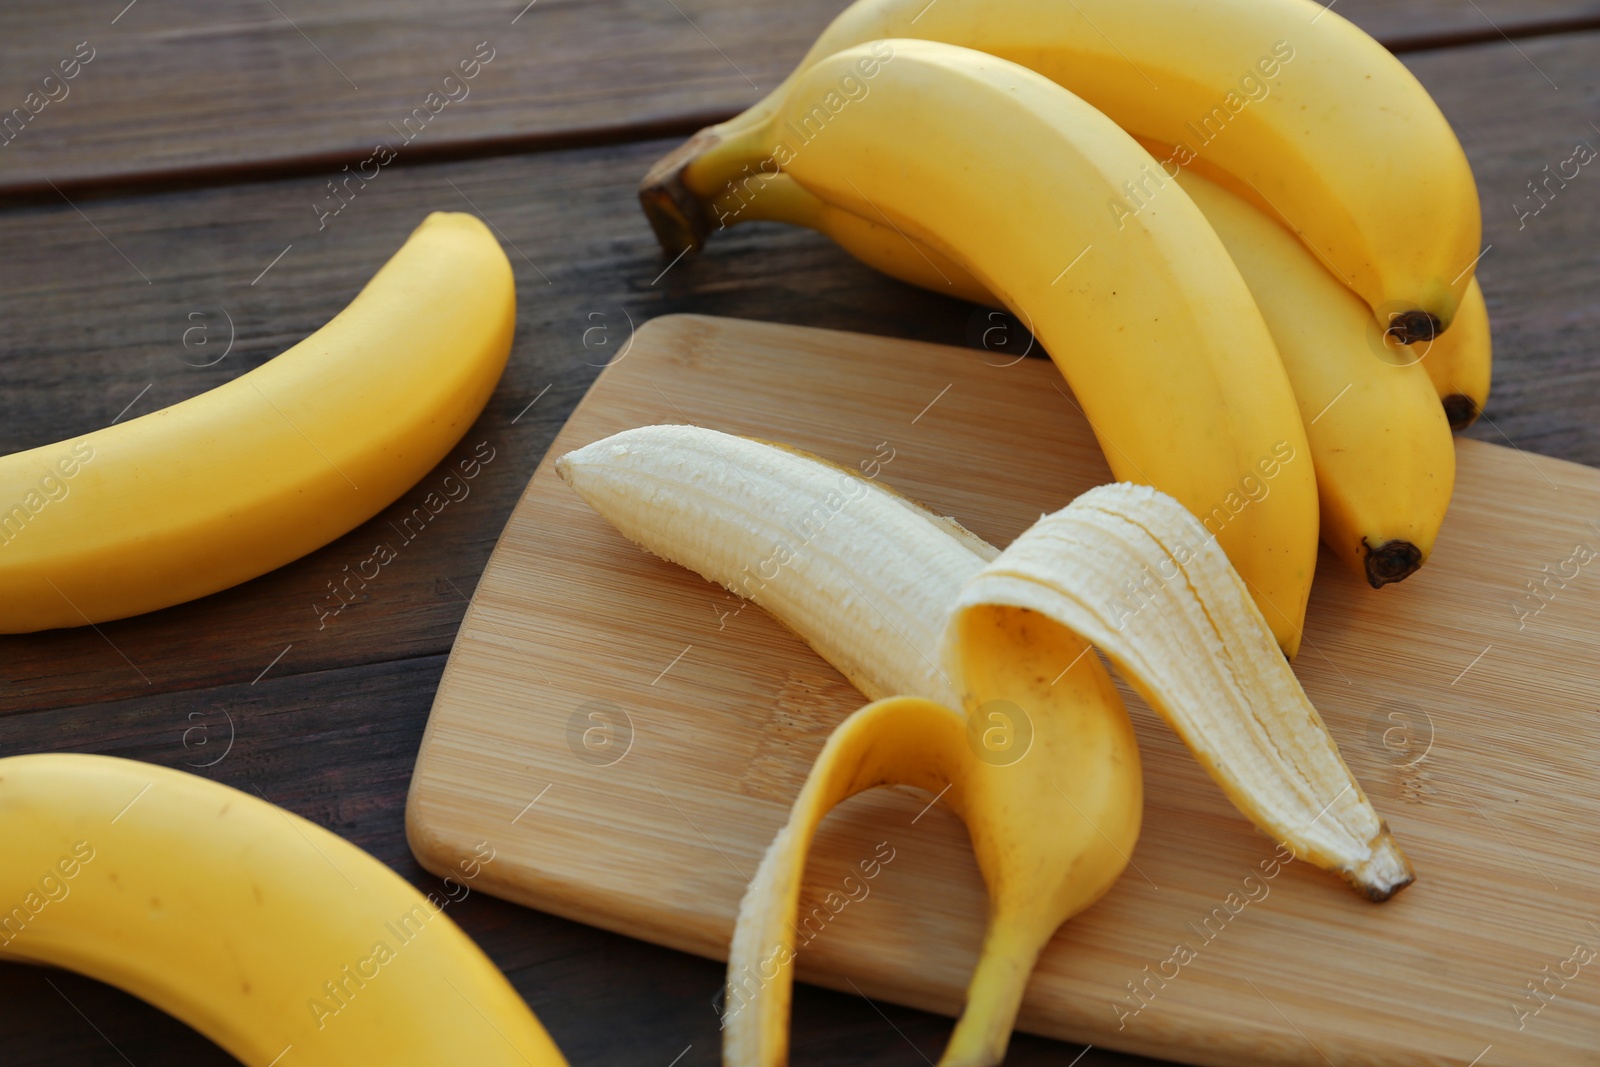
<point x="230" y="484"/>
<point x="1148" y="318"/>
<point x="1379" y="441"/>
<point x="281" y="942"/>
<point x="1310" y="115"/>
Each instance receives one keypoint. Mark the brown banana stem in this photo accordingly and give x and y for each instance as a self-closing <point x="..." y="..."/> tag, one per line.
<point x="678" y="217"/>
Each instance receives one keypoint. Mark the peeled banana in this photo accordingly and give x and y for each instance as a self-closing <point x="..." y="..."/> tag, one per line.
<point x="872" y="589"/>
<point x="228" y="485"/>
<point x="1053" y="810"/>
<point x="866" y="578"/>
<point x="1149" y="321"/>
<point x="1242" y="86"/>
<point x="281" y="942"/>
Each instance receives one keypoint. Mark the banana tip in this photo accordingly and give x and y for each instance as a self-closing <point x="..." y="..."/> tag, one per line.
<point x="1461" y="410"/>
<point x="1409" y="327"/>
<point x="1390" y="561"/>
<point x="1385" y="872"/>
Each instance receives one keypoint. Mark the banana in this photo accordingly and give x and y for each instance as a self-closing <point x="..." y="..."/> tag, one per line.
<point x="1243" y="86"/>
<point x="1459" y="361"/>
<point x="866" y="577"/>
<point x="230" y="484"/>
<point x="1148" y="319"/>
<point x="869" y="580"/>
<point x="894" y="595"/>
<point x="1379" y="441"/>
<point x="278" y="940"/>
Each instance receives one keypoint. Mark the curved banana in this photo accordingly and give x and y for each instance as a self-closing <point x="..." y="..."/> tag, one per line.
<point x="230" y="484"/>
<point x="869" y="580"/>
<point x="1240" y="85"/>
<point x="278" y="940"/>
<point x="1459" y="362"/>
<point x="1149" y="321"/>
<point x="1380" y="442"/>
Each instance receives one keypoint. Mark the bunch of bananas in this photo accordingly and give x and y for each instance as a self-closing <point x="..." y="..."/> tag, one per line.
<point x="1041" y="763"/>
<point x="1246" y="236"/>
<point x="1238" y="227"/>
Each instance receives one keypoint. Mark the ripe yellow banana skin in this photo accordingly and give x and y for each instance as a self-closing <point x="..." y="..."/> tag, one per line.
<point x="1148" y="318"/>
<point x="1380" y="443"/>
<point x="779" y="198"/>
<point x="233" y="483"/>
<point x="1296" y="103"/>
<point x="1378" y="437"/>
<point x="278" y="940"/>
<point x="1136" y="575"/>
<point x="1459" y="361"/>
<point x="1052" y="828"/>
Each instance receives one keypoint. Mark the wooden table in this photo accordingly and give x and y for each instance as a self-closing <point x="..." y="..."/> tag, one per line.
<point x="162" y="214"/>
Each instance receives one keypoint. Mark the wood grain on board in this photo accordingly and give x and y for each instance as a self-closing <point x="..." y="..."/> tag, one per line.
<point x="1471" y="725"/>
<point x="216" y="88"/>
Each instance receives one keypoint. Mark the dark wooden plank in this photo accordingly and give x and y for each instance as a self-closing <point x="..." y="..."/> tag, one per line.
<point x="210" y="87"/>
<point x="337" y="747"/>
<point x="1519" y="109"/>
<point x="82" y="335"/>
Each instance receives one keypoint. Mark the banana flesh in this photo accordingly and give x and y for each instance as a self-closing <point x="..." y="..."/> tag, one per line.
<point x="278" y="940"/>
<point x="240" y="480"/>
<point x="1242" y="86"/>
<point x="1150" y="322"/>
<point x="1166" y="610"/>
<point x="862" y="574"/>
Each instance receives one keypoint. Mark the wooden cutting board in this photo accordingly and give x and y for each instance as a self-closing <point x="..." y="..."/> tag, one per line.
<point x="627" y="741"/>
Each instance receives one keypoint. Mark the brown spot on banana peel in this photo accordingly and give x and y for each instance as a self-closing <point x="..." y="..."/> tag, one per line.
<point x="1409" y="327"/>
<point x="1461" y="410"/>
<point x="1391" y="561"/>
<point x="680" y="220"/>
